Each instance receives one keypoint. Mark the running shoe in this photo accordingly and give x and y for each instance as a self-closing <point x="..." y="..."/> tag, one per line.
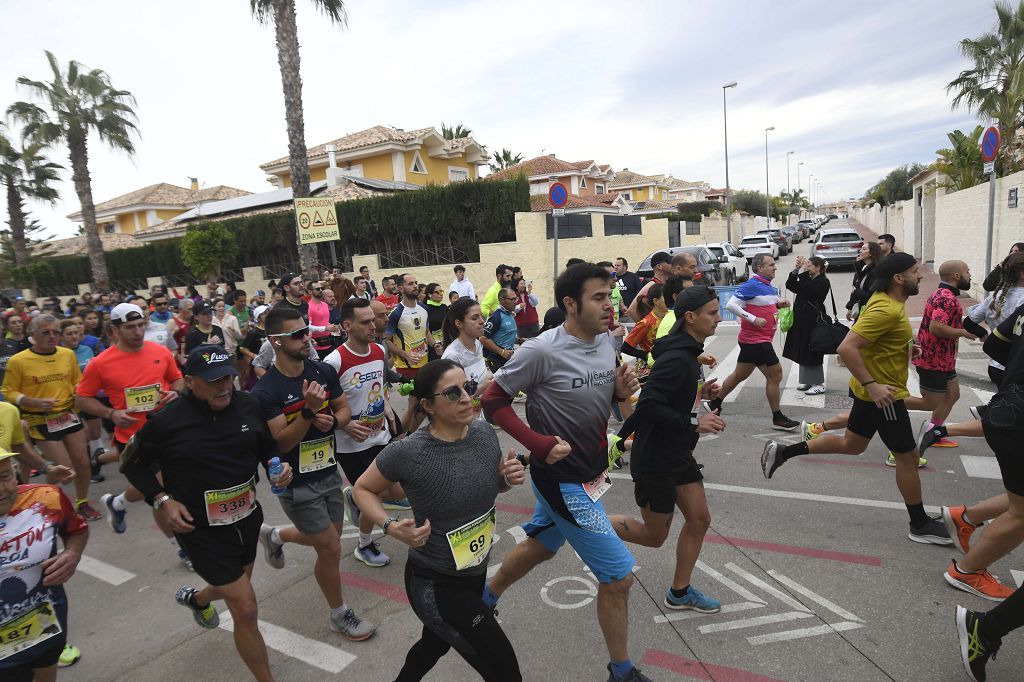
<point x="890" y="461"/>
<point x="273" y="552"/>
<point x="817" y="389"/>
<point x="206" y="616"/>
<point x="978" y="411"/>
<point x="95" y="475"/>
<point x="802" y="387"/>
<point x="634" y="676"/>
<point x="185" y="559"/>
<point x="784" y="423"/>
<point x="957" y="527"/>
<point x="945" y="443"/>
<point x="768" y="455"/>
<point x="931" y="533"/>
<point x="974" y="652"/>
<point x="615" y="452"/>
<point x="371" y="555"/>
<point x="351" y="510"/>
<point x="927" y="436"/>
<point x="397" y="505"/>
<point x="811" y="430"/>
<point x="693" y="600"/>
<point x="88" y="512"/>
<point x="69" y="655"/>
<point x="352" y="626"/>
<point x="115" y="518"/>
<point x="980" y="583"/>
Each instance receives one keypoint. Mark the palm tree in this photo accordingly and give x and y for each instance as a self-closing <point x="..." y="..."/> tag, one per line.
<point x="80" y="101"/>
<point x="455" y="133"/>
<point x="961" y="163"/>
<point x="24" y="173"/>
<point x="282" y="13"/>
<point x="994" y="86"/>
<point x="504" y="159"/>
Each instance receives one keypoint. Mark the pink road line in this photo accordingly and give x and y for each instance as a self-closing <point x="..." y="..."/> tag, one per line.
<point x="514" y="509"/>
<point x="692" y="668"/>
<point x="796" y="550"/>
<point x="856" y="463"/>
<point x="387" y="590"/>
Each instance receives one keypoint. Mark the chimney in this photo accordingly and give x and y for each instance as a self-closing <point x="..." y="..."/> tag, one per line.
<point x="195" y="183"/>
<point x="551" y="155"/>
<point x="332" y="159"/>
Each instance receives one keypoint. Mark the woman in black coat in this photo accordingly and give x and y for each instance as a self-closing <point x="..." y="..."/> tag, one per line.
<point x="863" y="278"/>
<point x="811" y="286"/>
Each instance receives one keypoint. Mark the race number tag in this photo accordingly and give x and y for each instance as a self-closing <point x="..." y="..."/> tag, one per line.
<point x="315" y="455"/>
<point x="64" y="421"/>
<point x="142" y="398"/>
<point x="598" y="487"/>
<point x="470" y="543"/>
<point x="28" y="629"/>
<point x="226" y="506"/>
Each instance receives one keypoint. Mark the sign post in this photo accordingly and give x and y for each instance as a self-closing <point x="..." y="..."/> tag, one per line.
<point x="558" y="196"/>
<point x="989" y="150"/>
<point x="317" y="220"/>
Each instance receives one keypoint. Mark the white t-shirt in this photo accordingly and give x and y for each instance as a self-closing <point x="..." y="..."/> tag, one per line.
<point x="465" y="288"/>
<point x="362" y="379"/>
<point x="472" y="361"/>
<point x="158" y="333"/>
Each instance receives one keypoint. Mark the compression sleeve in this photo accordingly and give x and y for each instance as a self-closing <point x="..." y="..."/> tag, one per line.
<point x="635" y="352"/>
<point x="736" y="306"/>
<point x="497" y="404"/>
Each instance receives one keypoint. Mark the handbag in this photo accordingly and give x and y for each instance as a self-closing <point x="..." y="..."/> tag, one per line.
<point x="828" y="333"/>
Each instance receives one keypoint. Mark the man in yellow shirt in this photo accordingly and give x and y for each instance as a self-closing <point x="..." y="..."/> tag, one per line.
<point x="41" y="382"/>
<point x="503" y="277"/>
<point x="878" y="351"/>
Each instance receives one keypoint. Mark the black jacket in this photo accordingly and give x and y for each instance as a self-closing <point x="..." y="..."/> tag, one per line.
<point x="809" y="307"/>
<point x="863" y="282"/>
<point x="666" y="430"/>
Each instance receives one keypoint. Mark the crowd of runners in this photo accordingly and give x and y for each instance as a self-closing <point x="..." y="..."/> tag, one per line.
<point x="199" y="399"/>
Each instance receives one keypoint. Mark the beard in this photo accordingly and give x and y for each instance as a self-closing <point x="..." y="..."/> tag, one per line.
<point x="964" y="285"/>
<point x="910" y="288"/>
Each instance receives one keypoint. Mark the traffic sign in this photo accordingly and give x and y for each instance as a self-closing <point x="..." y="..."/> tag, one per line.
<point x="558" y="195"/>
<point x="990" y="144"/>
<point x="558" y="211"/>
<point x="988" y="167"/>
<point x="317" y="220"/>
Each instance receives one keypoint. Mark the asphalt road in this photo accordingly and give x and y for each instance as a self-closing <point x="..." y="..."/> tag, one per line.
<point x="818" y="578"/>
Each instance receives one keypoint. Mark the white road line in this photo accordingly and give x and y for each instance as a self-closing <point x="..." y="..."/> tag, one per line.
<point x="983" y="395"/>
<point x="311" y="651"/>
<point x="730" y="583"/>
<point x="804" y="632"/>
<point x="1018" y="577"/>
<point x="726" y="608"/>
<point x="791" y="396"/>
<point x="105" y="572"/>
<point x="793" y="495"/>
<point x="778" y="594"/>
<point x="518" y="534"/>
<point x="753" y="622"/>
<point x="981" y="467"/>
<point x="814" y="596"/>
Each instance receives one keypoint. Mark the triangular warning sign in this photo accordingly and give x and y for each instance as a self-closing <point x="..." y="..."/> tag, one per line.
<point x="317" y="220"/>
<point x="331" y="220"/>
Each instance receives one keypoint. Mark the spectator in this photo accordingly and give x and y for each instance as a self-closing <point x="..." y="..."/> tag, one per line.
<point x="888" y="244"/>
<point x="362" y="290"/>
<point x="502" y="277"/>
<point x="863" y="279"/>
<point x="995" y="278"/>
<point x="371" y="286"/>
<point x="811" y="286"/>
<point x="661" y="264"/>
<point x="461" y="285"/>
<point x="527" y="320"/>
<point x="629" y="283"/>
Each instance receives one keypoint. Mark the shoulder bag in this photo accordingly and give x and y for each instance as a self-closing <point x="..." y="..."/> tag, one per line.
<point x="828" y="333"/>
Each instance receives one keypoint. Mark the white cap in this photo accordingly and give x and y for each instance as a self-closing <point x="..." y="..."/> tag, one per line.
<point x="260" y="309"/>
<point x="125" y="312"/>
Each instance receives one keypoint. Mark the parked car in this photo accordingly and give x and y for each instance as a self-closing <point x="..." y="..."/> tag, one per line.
<point x="708" y="265"/>
<point x="833" y="216"/>
<point x="795" y="234"/>
<point x="784" y="242"/>
<point x="839" y="246"/>
<point x="810" y="225"/>
<point x="758" y="243"/>
<point x="734" y="266"/>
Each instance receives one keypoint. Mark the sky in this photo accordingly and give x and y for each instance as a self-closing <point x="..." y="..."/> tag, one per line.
<point x="852" y="88"/>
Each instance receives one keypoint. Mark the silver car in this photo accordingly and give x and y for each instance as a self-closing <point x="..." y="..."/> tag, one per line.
<point x="839" y="246"/>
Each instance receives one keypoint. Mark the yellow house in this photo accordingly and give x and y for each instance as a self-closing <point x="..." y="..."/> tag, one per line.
<point x="581" y="178"/>
<point x="135" y="211"/>
<point x="637" y="187"/>
<point x="419" y="157"/>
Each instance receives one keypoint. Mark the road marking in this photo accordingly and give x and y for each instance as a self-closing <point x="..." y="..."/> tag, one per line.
<point x="387" y="590"/>
<point x="786" y="635"/>
<point x="812" y="497"/>
<point x="102" y="571"/>
<point x="778" y="594"/>
<point x="981" y="467"/>
<point x="728" y="582"/>
<point x="726" y="608"/>
<point x="790" y="394"/>
<point x="311" y="651"/>
<point x="857" y="462"/>
<point x="589" y="592"/>
<point x="984" y="396"/>
<point x="700" y="670"/>
<point x="795" y="550"/>
<point x="814" y="596"/>
<point x="514" y="509"/>
<point x="753" y="622"/>
<point x="1018" y="577"/>
<point x="518" y="534"/>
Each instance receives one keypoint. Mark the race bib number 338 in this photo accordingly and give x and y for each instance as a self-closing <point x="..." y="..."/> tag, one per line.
<point x="471" y="542"/>
<point x="229" y="505"/>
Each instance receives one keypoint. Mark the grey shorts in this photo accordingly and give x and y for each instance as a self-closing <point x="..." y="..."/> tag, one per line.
<point x="313" y="508"/>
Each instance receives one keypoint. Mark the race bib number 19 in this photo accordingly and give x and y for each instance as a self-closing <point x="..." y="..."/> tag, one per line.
<point x="28" y="629"/>
<point x="471" y="542"/>
<point x="315" y="455"/>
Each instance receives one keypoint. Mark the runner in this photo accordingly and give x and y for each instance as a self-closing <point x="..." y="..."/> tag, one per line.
<point x="501" y="331"/>
<point x="406" y="339"/>
<point x="661" y="264"/>
<point x="877" y="351"/>
<point x="208" y="446"/>
<point x="503" y="277"/>
<point x="180" y="325"/>
<point x="203" y="331"/>
<point x="250" y="347"/>
<point x="570" y="375"/>
<point x="156" y="328"/>
<point x="756" y="303"/>
<point x="33" y="604"/>
<point x="294" y="292"/>
<point x="450" y="535"/>
<point x="41" y="382"/>
<point x="71" y="338"/>
<point x="437" y="312"/>
<point x="981" y="634"/>
<point x="303" y="403"/>
<point x="665" y="473"/>
<point x="13" y="439"/>
<point x="320" y="320"/>
<point x="389" y="295"/>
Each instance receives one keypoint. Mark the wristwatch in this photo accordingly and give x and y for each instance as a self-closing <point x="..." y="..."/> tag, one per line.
<point x="308" y="413"/>
<point x="161" y="500"/>
<point x="388" y="522"/>
<point x="522" y="459"/>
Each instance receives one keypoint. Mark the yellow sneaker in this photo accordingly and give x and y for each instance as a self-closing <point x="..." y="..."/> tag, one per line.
<point x="890" y="461"/>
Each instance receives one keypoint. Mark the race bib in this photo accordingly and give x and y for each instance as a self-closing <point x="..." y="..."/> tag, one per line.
<point x="29" y="629"/>
<point x="226" y="506"/>
<point x="142" y="398"/>
<point x="598" y="487"/>
<point x="471" y="543"/>
<point x="438" y="336"/>
<point x="64" y="421"/>
<point x="315" y="455"/>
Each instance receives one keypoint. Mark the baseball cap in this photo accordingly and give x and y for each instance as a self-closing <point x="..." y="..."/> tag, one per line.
<point x="259" y="310"/>
<point x="203" y="308"/>
<point x="260" y="292"/>
<point x="125" y="312"/>
<point x="660" y="257"/>
<point x="890" y="266"/>
<point x="210" y="362"/>
<point x="4" y="454"/>
<point x="287" y="278"/>
<point x="693" y="298"/>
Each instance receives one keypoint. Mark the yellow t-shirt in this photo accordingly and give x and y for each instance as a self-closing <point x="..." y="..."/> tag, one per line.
<point x="10" y="427"/>
<point x="666" y="325"/>
<point x="42" y="376"/>
<point x="884" y="322"/>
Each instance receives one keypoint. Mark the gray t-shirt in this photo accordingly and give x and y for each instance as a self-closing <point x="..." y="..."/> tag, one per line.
<point x="569" y="385"/>
<point x="451" y="484"/>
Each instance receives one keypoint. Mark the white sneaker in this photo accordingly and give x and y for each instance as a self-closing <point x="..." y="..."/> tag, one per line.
<point x="817" y="389"/>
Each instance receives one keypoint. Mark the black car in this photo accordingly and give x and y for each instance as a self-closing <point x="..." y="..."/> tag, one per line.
<point x="708" y="266"/>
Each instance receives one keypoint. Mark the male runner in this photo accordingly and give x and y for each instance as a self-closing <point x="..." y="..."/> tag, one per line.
<point x="878" y="351"/>
<point x="389" y="295"/>
<point x="406" y="339"/>
<point x="570" y="375"/>
<point x="208" y="446"/>
<point x="294" y="291"/>
<point x="303" y="403"/>
<point x="500" y="331"/>
<point x="320" y="316"/>
<point x="661" y="264"/>
<point x="502" y="278"/>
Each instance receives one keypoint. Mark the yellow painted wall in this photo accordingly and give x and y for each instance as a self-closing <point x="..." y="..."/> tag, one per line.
<point x="162" y="215"/>
<point x="126" y="222"/>
<point x="378" y="167"/>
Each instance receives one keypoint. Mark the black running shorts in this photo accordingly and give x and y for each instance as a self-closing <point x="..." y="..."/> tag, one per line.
<point x="758" y="354"/>
<point x="659" y="489"/>
<point x="355" y="464"/>
<point x="25" y="672"/>
<point x="1005" y="443"/>
<point x="219" y="553"/>
<point x="934" y="381"/>
<point x="891" y="423"/>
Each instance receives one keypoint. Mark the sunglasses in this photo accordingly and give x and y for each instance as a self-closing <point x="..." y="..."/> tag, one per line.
<point x="318" y="288"/>
<point x="297" y="335"/>
<point x="454" y="393"/>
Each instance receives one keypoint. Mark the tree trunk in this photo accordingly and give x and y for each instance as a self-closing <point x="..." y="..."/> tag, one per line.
<point x="287" y="38"/>
<point x="16" y="217"/>
<point x="79" y="155"/>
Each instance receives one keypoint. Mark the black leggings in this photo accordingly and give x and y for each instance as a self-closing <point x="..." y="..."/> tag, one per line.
<point x="1004" y="618"/>
<point x="454" y="615"/>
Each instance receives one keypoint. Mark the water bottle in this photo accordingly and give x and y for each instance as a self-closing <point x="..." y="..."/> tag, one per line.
<point x="274" y="471"/>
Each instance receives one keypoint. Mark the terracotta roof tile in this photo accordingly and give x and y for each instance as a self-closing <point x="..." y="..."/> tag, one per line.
<point x="73" y="246"/>
<point x="627" y="178"/>
<point x="165" y="194"/>
<point x="539" y="202"/>
<point x="540" y="165"/>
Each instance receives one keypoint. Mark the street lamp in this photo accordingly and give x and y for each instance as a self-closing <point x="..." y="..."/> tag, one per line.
<point x="767" y="190"/>
<point x="810" y="190"/>
<point x="725" y="122"/>
<point x="789" y="189"/>
<point x="798" y="186"/>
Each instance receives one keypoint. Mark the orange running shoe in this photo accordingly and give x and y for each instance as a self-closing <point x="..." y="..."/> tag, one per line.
<point x="982" y="583"/>
<point x="959" y="529"/>
<point x="945" y="443"/>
